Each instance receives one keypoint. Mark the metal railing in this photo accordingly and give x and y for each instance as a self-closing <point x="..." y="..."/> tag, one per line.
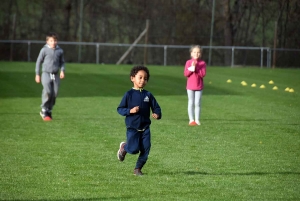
<point x="260" y="60"/>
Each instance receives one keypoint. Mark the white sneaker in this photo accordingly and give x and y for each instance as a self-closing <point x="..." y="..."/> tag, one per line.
<point x="198" y="122"/>
<point x="121" y="152"/>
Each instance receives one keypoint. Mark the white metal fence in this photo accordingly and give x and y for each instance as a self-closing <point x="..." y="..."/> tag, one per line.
<point x="109" y="53"/>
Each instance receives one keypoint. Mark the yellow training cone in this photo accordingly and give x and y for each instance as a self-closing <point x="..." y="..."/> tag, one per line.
<point x="271" y="82"/>
<point x="262" y="86"/>
<point x="244" y="83"/>
<point x="275" y="88"/>
<point x="229" y="81"/>
<point x="253" y="85"/>
<point x="291" y="90"/>
<point x="287" y="89"/>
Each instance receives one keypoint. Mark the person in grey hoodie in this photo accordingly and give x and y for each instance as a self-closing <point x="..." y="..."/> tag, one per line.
<point x="51" y="58"/>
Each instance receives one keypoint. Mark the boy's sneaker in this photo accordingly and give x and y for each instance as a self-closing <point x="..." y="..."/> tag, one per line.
<point x="44" y="116"/>
<point x="198" y="123"/>
<point x="193" y="123"/>
<point x="49" y="113"/>
<point x="121" y="152"/>
<point x="137" y="172"/>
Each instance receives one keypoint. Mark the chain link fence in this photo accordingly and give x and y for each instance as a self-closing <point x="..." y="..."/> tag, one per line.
<point x="166" y="55"/>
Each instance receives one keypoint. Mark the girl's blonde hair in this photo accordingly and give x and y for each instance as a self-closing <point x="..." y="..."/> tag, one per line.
<point x="195" y="46"/>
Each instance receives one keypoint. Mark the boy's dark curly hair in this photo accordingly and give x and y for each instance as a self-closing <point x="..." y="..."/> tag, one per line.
<point x="136" y="69"/>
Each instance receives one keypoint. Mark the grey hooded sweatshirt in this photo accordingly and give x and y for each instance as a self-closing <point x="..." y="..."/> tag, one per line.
<point x="52" y="59"/>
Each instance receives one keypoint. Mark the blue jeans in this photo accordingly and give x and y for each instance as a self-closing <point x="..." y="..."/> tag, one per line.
<point x="138" y="142"/>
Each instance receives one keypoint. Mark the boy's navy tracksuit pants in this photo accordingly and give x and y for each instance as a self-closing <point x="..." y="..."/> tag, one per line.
<point x="138" y="141"/>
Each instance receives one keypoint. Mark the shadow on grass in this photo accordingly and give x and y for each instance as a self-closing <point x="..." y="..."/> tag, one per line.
<point x="241" y="173"/>
<point x="75" y="199"/>
<point x="248" y="121"/>
<point x="205" y="121"/>
<point x="16" y="85"/>
<point x="228" y="120"/>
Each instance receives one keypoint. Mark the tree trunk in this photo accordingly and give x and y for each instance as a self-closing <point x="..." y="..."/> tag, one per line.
<point x="227" y="31"/>
<point x="67" y="16"/>
<point x="263" y="24"/>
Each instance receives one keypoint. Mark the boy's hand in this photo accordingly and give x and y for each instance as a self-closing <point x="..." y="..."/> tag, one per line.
<point x="135" y="109"/>
<point x="37" y="78"/>
<point x="62" y="75"/>
<point x="155" y="116"/>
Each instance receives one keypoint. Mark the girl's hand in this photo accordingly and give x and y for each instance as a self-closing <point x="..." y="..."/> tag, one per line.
<point x="155" y="116"/>
<point x="135" y="109"/>
<point x="191" y="68"/>
<point x="37" y="78"/>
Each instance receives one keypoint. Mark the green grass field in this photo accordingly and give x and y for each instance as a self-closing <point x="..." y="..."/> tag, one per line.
<point x="247" y="147"/>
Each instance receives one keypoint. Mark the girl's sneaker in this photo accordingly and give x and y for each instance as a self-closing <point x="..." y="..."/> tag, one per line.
<point x="193" y="123"/>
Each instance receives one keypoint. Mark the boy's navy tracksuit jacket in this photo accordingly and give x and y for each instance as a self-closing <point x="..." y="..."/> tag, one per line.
<point x="146" y="101"/>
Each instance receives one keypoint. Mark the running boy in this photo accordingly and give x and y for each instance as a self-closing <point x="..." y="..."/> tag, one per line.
<point x="52" y="58"/>
<point x="136" y="105"/>
<point x="195" y="71"/>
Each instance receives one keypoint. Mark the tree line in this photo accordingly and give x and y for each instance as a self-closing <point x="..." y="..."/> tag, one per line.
<point x="172" y="22"/>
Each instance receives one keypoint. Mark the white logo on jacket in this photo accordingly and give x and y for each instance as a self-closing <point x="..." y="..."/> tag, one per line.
<point x="146" y="99"/>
